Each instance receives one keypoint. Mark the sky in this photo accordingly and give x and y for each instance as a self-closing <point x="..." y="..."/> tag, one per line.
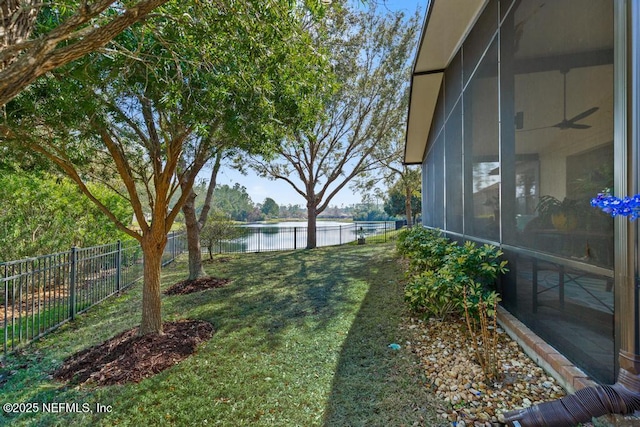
<point x="260" y="188"/>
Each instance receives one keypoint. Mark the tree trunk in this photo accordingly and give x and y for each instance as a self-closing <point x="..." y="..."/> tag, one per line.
<point x="194" y="224"/>
<point x="407" y="207"/>
<point x="311" y="226"/>
<point x="152" y="248"/>
<point x="193" y="238"/>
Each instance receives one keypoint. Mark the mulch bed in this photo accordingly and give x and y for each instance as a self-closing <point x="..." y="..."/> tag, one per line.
<point x="197" y="285"/>
<point x="128" y="357"/>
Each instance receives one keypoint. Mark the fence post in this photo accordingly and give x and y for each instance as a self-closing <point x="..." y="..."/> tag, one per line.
<point x="385" y="231"/>
<point x="170" y="248"/>
<point x="340" y="231"/>
<point x="6" y="307"/>
<point x="295" y="237"/>
<point x="175" y="249"/>
<point x="118" y="266"/>
<point x="73" y="277"/>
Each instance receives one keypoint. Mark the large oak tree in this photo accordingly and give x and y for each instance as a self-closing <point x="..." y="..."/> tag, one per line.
<point x="297" y="76"/>
<point x="152" y="108"/>
<point x="371" y="54"/>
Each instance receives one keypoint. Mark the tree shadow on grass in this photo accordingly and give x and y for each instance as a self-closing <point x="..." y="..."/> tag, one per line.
<point x="323" y="318"/>
<point x="375" y="385"/>
<point x="278" y="291"/>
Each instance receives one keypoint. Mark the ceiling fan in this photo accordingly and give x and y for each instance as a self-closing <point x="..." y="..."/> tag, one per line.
<point x="568" y="123"/>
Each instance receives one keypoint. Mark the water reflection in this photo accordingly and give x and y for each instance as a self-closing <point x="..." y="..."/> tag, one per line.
<point x="293" y="235"/>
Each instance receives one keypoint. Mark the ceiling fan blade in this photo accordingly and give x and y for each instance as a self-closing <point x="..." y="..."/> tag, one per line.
<point x="584" y="114"/>
<point x="568" y="124"/>
<point x="532" y="129"/>
<point x="578" y="126"/>
<point x="562" y="125"/>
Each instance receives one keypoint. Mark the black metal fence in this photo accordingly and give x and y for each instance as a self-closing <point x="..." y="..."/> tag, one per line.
<point x="265" y="237"/>
<point x="39" y="294"/>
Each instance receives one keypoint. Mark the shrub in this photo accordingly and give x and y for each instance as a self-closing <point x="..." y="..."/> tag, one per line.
<point x="472" y="263"/>
<point x="442" y="271"/>
<point x="434" y="294"/>
<point x="449" y="279"/>
<point x="483" y="329"/>
<point x="424" y="248"/>
<point x="219" y="228"/>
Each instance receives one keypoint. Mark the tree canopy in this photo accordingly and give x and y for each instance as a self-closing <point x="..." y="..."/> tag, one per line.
<point x="396" y="203"/>
<point x="234" y="201"/>
<point x="270" y="208"/>
<point x="39" y="36"/>
<point x="144" y="116"/>
<point x="371" y="55"/>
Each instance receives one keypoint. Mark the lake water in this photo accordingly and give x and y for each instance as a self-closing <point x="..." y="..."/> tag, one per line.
<point x="289" y="235"/>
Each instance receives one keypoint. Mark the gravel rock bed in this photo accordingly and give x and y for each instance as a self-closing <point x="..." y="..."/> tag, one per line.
<point x="447" y="357"/>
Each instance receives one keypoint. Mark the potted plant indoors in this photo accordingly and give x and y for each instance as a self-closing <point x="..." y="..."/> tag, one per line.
<point x="561" y="214"/>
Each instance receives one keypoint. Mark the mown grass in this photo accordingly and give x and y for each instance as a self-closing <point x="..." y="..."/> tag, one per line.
<point x="301" y="340"/>
<point x="385" y="237"/>
<point x="26" y="326"/>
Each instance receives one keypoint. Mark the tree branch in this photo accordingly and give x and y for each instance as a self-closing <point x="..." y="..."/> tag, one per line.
<point x="45" y="54"/>
<point x="123" y="170"/>
<point x="72" y="173"/>
<point x="204" y="213"/>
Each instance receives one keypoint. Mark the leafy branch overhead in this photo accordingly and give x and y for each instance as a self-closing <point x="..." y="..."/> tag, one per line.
<point x="39" y="36"/>
<point x="145" y="114"/>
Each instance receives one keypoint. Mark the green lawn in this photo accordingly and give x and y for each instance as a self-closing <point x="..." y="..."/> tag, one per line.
<point x="385" y="237"/>
<point x="301" y="340"/>
<point x="26" y="326"/>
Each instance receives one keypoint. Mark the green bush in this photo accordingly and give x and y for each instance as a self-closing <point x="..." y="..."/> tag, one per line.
<point x="220" y="228"/>
<point x="443" y="272"/>
<point x="43" y="213"/>
<point x="434" y="294"/>
<point x="425" y="248"/>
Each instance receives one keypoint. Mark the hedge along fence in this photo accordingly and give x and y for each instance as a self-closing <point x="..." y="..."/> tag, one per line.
<point x="448" y="280"/>
<point x="40" y="294"/>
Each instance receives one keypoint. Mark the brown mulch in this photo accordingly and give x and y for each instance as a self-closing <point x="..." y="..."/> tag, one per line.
<point x="128" y="357"/>
<point x="197" y="285"/>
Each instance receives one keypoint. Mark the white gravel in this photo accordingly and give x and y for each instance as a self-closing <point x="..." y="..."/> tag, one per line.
<point x="448" y="360"/>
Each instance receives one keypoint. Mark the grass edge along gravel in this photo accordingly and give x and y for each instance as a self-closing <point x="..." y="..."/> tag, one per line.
<point x="301" y="339"/>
